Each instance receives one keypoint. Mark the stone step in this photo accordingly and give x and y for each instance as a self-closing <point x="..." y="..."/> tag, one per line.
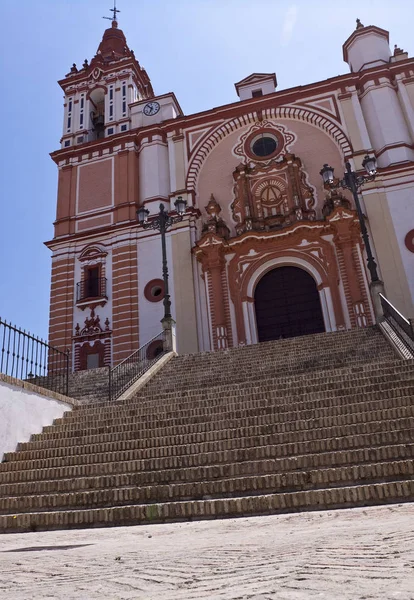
<point x="306" y="433"/>
<point x="290" y="440"/>
<point x="204" y="428"/>
<point x="253" y="485"/>
<point x="288" y="411"/>
<point x="200" y="375"/>
<point x="212" y="397"/>
<point x="252" y="482"/>
<point x="35" y="470"/>
<point x="393" y="491"/>
<point x="191" y="455"/>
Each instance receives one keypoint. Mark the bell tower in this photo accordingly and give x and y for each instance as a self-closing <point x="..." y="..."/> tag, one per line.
<point x="94" y="284"/>
<point x="98" y="94"/>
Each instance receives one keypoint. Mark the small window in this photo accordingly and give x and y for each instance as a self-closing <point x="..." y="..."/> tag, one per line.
<point x="80" y="140"/>
<point x="110" y="131"/>
<point x="154" y="290"/>
<point x="111" y="94"/>
<point x="257" y="93"/>
<point x="70" y="106"/>
<point x="124" y="127"/>
<point x="265" y="145"/>
<point x="92" y="361"/>
<point x="92" y="282"/>
<point x="67" y="143"/>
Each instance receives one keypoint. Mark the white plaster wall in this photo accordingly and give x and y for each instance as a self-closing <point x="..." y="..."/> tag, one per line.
<point x="23" y="413"/>
<point x="400" y="202"/>
<point x="368" y="51"/>
<point x="267" y="87"/>
<point x="150" y="267"/>
<point x="154" y="172"/>
<point x="385" y="120"/>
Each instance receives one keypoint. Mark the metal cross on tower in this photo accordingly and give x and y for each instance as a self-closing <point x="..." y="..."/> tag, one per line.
<point x="114" y="10"/>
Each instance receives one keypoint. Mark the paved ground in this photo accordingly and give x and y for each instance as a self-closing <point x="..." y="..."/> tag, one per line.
<point x="337" y="555"/>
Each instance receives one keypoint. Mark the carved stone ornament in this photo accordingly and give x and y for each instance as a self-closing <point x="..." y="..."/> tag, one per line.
<point x="334" y="199"/>
<point x="92" y="327"/>
<point x="272" y="196"/>
<point x="215" y="223"/>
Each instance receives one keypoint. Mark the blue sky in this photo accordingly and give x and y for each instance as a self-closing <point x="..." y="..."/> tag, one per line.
<point x="196" y="48"/>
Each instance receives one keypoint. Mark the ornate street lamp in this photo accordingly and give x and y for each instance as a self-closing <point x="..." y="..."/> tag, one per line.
<point x="354" y="182"/>
<point x="162" y="222"/>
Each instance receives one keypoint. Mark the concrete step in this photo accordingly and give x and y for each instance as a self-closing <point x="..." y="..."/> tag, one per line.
<point x="80" y="445"/>
<point x="405" y="409"/>
<point x="201" y="490"/>
<point x="242" y="478"/>
<point x="333" y="406"/>
<point x="202" y="466"/>
<point x="287" y="441"/>
<point x="360" y="495"/>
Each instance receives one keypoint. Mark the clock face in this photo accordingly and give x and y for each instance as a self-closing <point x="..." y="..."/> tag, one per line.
<point x="151" y="108"/>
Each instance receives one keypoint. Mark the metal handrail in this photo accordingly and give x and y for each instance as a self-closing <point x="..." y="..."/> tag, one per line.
<point x="29" y="358"/>
<point x="402" y="326"/>
<point x="124" y="374"/>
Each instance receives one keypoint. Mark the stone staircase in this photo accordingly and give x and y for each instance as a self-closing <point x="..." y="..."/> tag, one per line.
<point x="322" y="421"/>
<point x="90" y="386"/>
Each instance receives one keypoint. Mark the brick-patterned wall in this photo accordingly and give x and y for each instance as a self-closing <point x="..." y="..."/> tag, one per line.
<point x="125" y="338"/>
<point x="61" y="303"/>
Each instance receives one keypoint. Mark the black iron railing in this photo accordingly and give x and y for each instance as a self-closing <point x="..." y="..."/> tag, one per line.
<point x="91" y="288"/>
<point x="402" y="326"/>
<point x="132" y="368"/>
<point x="27" y="357"/>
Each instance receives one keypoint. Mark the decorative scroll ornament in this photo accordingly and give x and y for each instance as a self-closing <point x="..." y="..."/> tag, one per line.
<point x="92" y="326"/>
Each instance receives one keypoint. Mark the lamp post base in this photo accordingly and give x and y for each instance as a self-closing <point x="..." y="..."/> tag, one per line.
<point x="377" y="288"/>
<point x="168" y="324"/>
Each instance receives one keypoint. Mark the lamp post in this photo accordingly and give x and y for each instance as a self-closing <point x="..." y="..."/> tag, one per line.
<point x="354" y="182"/>
<point x="162" y="222"/>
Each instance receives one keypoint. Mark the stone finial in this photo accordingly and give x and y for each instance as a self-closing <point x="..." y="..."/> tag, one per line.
<point x="213" y="208"/>
<point x="359" y="25"/>
<point x="397" y="50"/>
<point x="85" y="63"/>
<point x="215" y="223"/>
<point x="74" y="68"/>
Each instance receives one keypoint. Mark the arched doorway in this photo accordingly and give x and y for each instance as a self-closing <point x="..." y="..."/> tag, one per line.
<point x="287" y="304"/>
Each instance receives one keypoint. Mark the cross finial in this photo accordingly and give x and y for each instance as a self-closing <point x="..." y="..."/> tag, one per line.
<point x="113" y="10"/>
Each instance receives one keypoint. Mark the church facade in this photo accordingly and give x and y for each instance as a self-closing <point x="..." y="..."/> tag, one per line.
<point x="264" y="250"/>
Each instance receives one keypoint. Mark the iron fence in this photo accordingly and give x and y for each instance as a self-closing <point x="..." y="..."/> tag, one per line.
<point x="27" y="357"/>
<point x="402" y="326"/>
<point x="134" y="366"/>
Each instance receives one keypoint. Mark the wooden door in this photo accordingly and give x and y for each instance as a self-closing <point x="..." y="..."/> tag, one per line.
<point x="287" y="304"/>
